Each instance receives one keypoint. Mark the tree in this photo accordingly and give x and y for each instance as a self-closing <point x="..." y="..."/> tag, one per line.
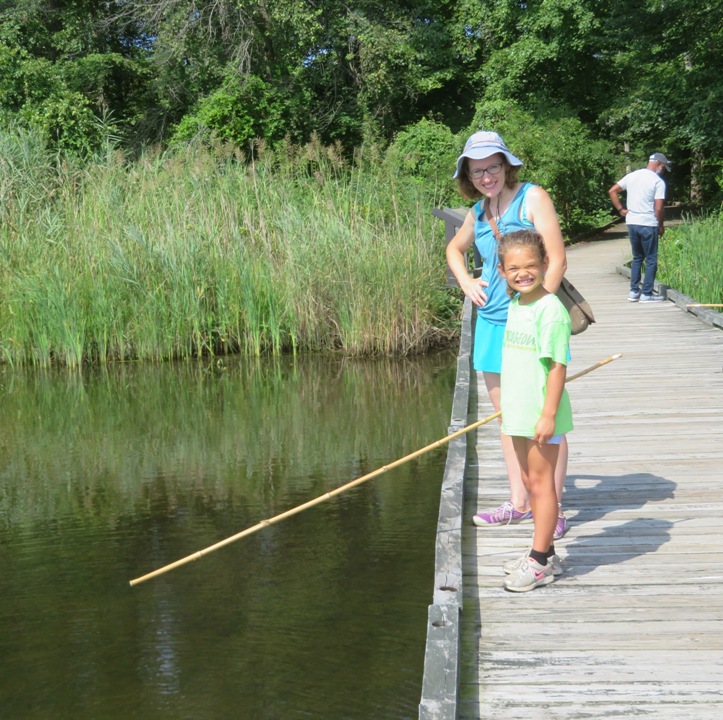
<point x="337" y="70"/>
<point x="668" y="63"/>
<point x="560" y="154"/>
<point x="548" y="53"/>
<point x="643" y="73"/>
<point x="63" y="71"/>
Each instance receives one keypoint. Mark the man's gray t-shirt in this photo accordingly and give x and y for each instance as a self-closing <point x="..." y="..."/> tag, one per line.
<point x="642" y="187"/>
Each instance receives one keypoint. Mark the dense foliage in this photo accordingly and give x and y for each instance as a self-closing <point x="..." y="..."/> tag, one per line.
<point x="639" y="75"/>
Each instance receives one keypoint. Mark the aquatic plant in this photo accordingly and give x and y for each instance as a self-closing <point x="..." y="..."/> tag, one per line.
<point x="201" y="250"/>
<point x="690" y="258"/>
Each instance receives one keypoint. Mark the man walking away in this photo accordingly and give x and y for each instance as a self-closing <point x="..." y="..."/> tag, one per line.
<point x="644" y="216"/>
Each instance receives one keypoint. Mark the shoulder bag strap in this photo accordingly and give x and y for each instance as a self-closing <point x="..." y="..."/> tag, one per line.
<point x="491" y="220"/>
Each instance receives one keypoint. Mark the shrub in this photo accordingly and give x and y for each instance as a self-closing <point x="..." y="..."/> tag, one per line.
<point x="239" y="112"/>
<point x="426" y="150"/>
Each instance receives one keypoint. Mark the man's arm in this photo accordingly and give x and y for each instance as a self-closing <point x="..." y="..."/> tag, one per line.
<point x="660" y="215"/>
<point x="614" y="193"/>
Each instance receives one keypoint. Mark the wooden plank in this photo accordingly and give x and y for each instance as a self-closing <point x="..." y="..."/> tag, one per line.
<point x="668" y="690"/>
<point x="598" y="710"/>
<point x="440" y="684"/>
<point x="572" y="667"/>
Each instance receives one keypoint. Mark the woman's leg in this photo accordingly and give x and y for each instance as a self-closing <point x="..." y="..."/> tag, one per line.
<point x="518" y="493"/>
<point x="561" y="471"/>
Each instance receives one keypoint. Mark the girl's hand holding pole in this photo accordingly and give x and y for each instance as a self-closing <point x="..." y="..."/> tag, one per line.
<point x="544" y="429"/>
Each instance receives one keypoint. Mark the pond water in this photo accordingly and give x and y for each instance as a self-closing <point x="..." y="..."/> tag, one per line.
<point x="107" y="474"/>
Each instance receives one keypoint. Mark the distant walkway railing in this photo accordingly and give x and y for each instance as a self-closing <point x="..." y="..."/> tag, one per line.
<point x="440" y="684"/>
<point x="453" y="219"/>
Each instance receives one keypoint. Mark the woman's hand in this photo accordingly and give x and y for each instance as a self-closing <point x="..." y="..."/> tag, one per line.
<point x="474" y="289"/>
<point x="456" y="259"/>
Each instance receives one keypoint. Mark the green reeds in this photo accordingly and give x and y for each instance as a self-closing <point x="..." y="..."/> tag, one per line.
<point x="198" y="251"/>
<point x="691" y="258"/>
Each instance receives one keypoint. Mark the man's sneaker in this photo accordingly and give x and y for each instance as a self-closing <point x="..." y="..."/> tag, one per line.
<point x="560" y="527"/>
<point x="529" y="576"/>
<point x="512" y="566"/>
<point x="651" y="298"/>
<point x="505" y="514"/>
<point x="633" y="296"/>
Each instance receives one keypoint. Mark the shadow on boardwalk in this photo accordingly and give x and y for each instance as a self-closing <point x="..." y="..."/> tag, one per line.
<point x="616" y="542"/>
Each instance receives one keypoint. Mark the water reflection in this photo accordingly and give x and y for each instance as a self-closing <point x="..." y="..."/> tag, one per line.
<point x="110" y="473"/>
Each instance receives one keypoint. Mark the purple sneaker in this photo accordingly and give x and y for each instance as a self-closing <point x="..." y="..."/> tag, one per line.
<point x="561" y="527"/>
<point x="505" y="514"/>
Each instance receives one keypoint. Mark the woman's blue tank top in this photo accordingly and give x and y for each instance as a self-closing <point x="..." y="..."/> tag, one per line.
<point x="514" y="218"/>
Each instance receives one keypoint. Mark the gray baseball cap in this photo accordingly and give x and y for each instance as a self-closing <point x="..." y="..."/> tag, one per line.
<point x="483" y="144"/>
<point x="659" y="157"/>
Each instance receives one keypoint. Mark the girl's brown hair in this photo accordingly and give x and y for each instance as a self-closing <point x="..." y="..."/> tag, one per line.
<point x="467" y="188"/>
<point x="521" y="238"/>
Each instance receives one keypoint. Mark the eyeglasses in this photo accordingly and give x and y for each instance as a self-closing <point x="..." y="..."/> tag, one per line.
<point x="479" y="173"/>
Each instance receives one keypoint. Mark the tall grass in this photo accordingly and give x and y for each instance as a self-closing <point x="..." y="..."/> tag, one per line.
<point x="691" y="258"/>
<point x="199" y="251"/>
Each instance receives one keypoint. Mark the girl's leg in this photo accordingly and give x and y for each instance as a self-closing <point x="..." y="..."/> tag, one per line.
<point x="537" y="463"/>
<point x="518" y="493"/>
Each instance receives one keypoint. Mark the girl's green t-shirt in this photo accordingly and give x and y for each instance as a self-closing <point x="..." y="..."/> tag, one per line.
<point x="535" y="336"/>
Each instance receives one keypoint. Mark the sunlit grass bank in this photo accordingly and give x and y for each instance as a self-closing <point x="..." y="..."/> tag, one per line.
<point x="691" y="259"/>
<point x="199" y="252"/>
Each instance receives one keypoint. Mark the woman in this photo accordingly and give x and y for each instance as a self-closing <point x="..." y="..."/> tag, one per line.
<point x="487" y="172"/>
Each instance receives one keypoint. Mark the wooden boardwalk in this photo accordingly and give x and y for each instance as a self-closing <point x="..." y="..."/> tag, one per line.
<point x="634" y="626"/>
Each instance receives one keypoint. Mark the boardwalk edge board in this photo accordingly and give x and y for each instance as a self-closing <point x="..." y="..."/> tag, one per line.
<point x="440" y="683"/>
<point x="706" y="315"/>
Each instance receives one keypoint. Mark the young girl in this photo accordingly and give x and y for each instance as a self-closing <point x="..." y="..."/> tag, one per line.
<point x="536" y="411"/>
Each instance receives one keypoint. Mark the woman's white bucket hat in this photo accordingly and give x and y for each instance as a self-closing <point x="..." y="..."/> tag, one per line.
<point x="483" y="144"/>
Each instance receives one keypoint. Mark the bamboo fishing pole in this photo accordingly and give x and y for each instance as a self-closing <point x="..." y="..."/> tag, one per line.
<point x="704" y="305"/>
<point x="342" y="488"/>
